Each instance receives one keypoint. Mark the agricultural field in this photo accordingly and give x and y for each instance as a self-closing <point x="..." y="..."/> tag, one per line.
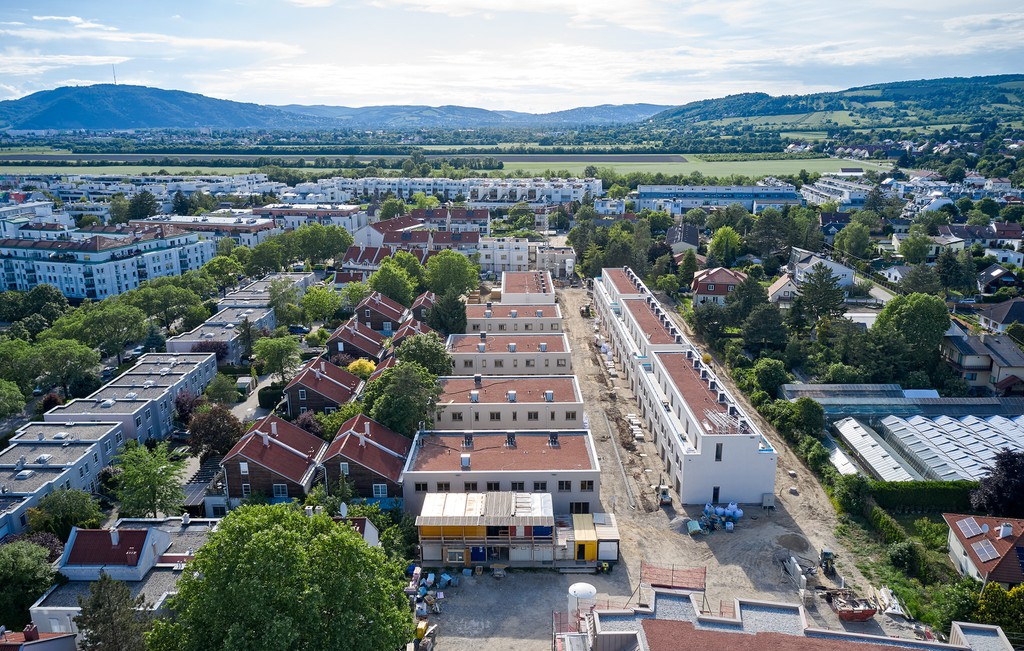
<point x="117" y="169"/>
<point x="694" y="164"/>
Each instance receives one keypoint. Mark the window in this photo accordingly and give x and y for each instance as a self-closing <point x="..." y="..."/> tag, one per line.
<point x="380" y="490"/>
<point x="467" y="363"/>
<point x="81" y="471"/>
<point x="302" y="394"/>
<point x="280" y="490"/>
<point x="499" y="363"/>
<point x="302" y="410"/>
<point x="243" y="467"/>
<point x="552" y="415"/>
<point x="493" y="486"/>
<point x="540" y="487"/>
<point x="138" y="421"/>
<point x="518" y="486"/>
<point x="95" y="457"/>
<point x="501" y="326"/>
<point x="970" y="377"/>
<point x="106" y="446"/>
<point x="587" y="486"/>
<point x="117" y="437"/>
<point x="366" y="313"/>
<point x="532" y="415"/>
<point x="570" y="415"/>
<point x="456" y="556"/>
<point x="330" y="410"/>
<point x="148" y="414"/>
<point x="530" y="363"/>
<point x="495" y="415"/>
<point x="476" y="416"/>
<point x="420" y="487"/>
<point x="344" y="467"/>
<point x="564" y="486"/>
<point x="443" y="487"/>
<point x="718" y="451"/>
<point x="456" y="415"/>
<point x="246" y="490"/>
<point x="730" y="288"/>
<point x="469" y="487"/>
<point x="711" y="288"/>
<point x="579" y="507"/>
<point x="476" y="327"/>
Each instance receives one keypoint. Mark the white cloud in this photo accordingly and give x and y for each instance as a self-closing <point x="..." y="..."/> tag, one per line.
<point x="32" y="64"/>
<point x="312" y="3"/>
<point x="274" y="48"/>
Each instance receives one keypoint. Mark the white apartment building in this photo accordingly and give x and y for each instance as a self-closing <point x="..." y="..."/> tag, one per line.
<point x="562" y="463"/>
<point x="15" y="217"/>
<point x="559" y="261"/>
<point x="848" y="194"/>
<point x="680" y="199"/>
<point x="292" y="216"/>
<point x="142" y="399"/>
<point x="44" y="457"/>
<point x="509" y="402"/>
<point x="507" y="317"/>
<point x="99" y="266"/>
<point x="477" y="192"/>
<point x="239" y="225"/>
<point x="510" y="354"/>
<point x="501" y="254"/>
<point x="711" y="450"/>
<point x="257" y="293"/>
<point x="223" y="326"/>
<point x="527" y="288"/>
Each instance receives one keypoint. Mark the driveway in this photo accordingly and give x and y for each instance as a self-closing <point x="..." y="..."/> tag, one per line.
<point x="249" y="409"/>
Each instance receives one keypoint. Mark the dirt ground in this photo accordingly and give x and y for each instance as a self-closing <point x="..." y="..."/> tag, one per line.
<point x="515" y="612"/>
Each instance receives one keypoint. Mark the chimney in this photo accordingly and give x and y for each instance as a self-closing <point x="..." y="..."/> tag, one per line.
<point x="40" y="436"/>
<point x="185" y="519"/>
<point x="478" y="379"/>
<point x="540" y="313"/>
<point x="362" y="440"/>
<point x="316" y="372"/>
<point x="366" y="429"/>
<point x="323" y="366"/>
<point x="115" y="537"/>
<point x="131" y="556"/>
<point x="1005" y="530"/>
<point x="273" y="428"/>
<point x="465" y="462"/>
<point x="309" y="511"/>
<point x="31" y="633"/>
<point x="266" y="439"/>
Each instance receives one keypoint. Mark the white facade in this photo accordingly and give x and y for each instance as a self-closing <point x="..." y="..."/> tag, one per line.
<point x="510" y="354"/>
<point x="680" y="199"/>
<point x="710" y="449"/>
<point x="239" y="225"/>
<point x="509" y="402"/>
<point x="507" y="317"/>
<point x="559" y="261"/>
<point x="1004" y="256"/>
<point x="223" y="326"/>
<point x="500" y="254"/>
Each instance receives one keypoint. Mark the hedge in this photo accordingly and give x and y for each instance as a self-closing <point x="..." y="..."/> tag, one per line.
<point x="885" y="525"/>
<point x="269" y="396"/>
<point x="902" y="496"/>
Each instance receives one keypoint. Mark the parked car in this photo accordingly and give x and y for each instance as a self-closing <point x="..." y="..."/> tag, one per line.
<point x="38" y="391"/>
<point x="107" y="371"/>
<point x="180" y="452"/>
<point x="180" y="435"/>
<point x="298" y="330"/>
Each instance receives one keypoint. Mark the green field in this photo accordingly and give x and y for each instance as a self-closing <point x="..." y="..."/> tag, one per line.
<point x="694" y="164"/>
<point x="118" y="169"/>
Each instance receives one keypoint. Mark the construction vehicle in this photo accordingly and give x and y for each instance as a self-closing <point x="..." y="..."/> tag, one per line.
<point x="664" y="497"/>
<point x="827" y="562"/>
<point x="585" y="310"/>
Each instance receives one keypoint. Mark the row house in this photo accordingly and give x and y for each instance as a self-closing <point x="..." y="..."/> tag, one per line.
<point x="784" y="291"/>
<point x="320" y="386"/>
<point x="510" y="354"/>
<point x="710" y="449"/>
<point x="44" y="457"/>
<point x="341" y="279"/>
<point x="364" y="259"/>
<point x="465" y="243"/>
<point x="411" y="328"/>
<point x="715" y="285"/>
<point x="455" y="220"/>
<point x="275" y="459"/>
<point x="422" y="304"/>
<point x="224" y="327"/>
<point x="374" y="234"/>
<point x="238" y="225"/>
<point x="507" y="317"/>
<point x="292" y="216"/>
<point x="680" y="199"/>
<point x="527" y="288"/>
<point x="370" y="457"/>
<point x="501" y="254"/>
<point x="562" y="463"/>
<point x="509" y="402"/>
<point x="381" y="314"/>
<point x="356" y="340"/>
<point x="257" y="293"/>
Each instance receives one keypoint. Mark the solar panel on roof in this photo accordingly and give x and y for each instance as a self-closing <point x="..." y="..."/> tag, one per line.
<point x="969" y="527"/>
<point x="985" y="551"/>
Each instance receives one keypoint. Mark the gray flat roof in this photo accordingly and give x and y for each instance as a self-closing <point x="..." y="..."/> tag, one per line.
<point x="154" y="585"/>
<point x="237" y="314"/>
<point x="65" y="431"/>
<point x="61" y="454"/>
<point x="122" y="393"/>
<point x="94" y="408"/>
<point x="36" y="478"/>
<point x="207" y="333"/>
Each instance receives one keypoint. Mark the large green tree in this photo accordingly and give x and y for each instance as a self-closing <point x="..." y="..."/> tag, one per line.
<point x="725" y="245"/>
<point x="921" y="279"/>
<point x="113" y="325"/>
<point x="915" y="248"/>
<point x="224" y="270"/>
<point x="120" y="211"/>
<point x="222" y="389"/>
<point x="449" y="270"/>
<point x="854" y="240"/>
<point x="19" y="362"/>
<point x="402" y="397"/>
<point x="428" y="351"/>
<point x="66" y="361"/>
<point x="820" y="294"/>
<point x="214" y="431"/>
<point x="999" y="492"/>
<point x="25" y="574"/>
<point x="922" y="320"/>
<point x="746" y="296"/>
<point x="111" y="618"/>
<point x="764" y="330"/>
<point x="448" y="314"/>
<point x="320" y="304"/>
<point x="166" y="302"/>
<point x="391" y="208"/>
<point x="149" y="481"/>
<point x="270" y="578"/>
<point x="11" y="399"/>
<point x="143" y="205"/>
<point x="63" y="509"/>
<point x="278" y="355"/>
<point x="393" y="281"/>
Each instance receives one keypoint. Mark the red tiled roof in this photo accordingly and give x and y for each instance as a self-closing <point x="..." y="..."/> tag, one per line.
<point x="405" y="238"/>
<point x="448" y="238"/>
<point x="648" y="321"/>
<point x="397" y="224"/>
<point x="410" y="328"/>
<point x="524" y="343"/>
<point x="672" y="635"/>
<point x="355" y="333"/>
<point x="345" y="277"/>
<point x="442" y="451"/>
<point x="385" y="364"/>
<point x="620" y="280"/>
<point x="1007" y="566"/>
<point x="365" y="255"/>
<point x="328" y="380"/>
<point x="15" y="641"/>
<point x="381" y="304"/>
<point x="504" y="311"/>
<point x="525" y="282"/>
<point x="465" y="214"/>
<point x="720" y="277"/>
<point x="95" y="547"/>
<point x="426" y="299"/>
<point x="494" y="389"/>
<point x="291" y="452"/>
<point x="382" y="450"/>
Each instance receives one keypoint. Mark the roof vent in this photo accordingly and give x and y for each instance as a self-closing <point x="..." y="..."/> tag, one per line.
<point x="131" y="395"/>
<point x="553" y="439"/>
<point x="511" y="396"/>
<point x="40" y="436"/>
<point x="24" y="474"/>
<point x="549" y="396"/>
<point x="478" y="379"/>
<point x="481" y="348"/>
<point x="44" y="459"/>
<point x="543" y="346"/>
<point x="512" y="347"/>
<point x="474" y="396"/>
<point x="465" y="462"/>
<point x="510" y="439"/>
<point x="109" y="402"/>
<point x="1005" y="530"/>
<point x="489" y="305"/>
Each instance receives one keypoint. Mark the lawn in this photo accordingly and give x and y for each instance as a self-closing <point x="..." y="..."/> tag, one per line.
<point x="695" y="164"/>
<point x="117" y="169"/>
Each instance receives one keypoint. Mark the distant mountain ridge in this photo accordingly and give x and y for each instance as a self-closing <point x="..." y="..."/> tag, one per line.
<point x="109" y="106"/>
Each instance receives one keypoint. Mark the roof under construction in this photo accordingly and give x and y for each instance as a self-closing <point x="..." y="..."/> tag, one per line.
<point x="486" y="510"/>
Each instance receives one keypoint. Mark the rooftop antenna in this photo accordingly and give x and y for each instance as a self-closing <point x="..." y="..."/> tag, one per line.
<point x="114" y="70"/>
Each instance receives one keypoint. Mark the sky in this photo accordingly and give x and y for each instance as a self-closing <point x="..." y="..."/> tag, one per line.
<point x="525" y="55"/>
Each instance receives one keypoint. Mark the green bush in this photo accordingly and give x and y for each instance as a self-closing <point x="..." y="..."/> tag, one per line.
<point x="269" y="396"/>
<point x="905" y="556"/>
<point x="886" y="527"/>
<point x="917" y="496"/>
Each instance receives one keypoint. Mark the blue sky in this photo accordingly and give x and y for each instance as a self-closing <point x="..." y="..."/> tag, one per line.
<point x="528" y="55"/>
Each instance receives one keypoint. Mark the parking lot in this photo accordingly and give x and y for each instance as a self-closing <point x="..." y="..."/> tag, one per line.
<point x="515" y="612"/>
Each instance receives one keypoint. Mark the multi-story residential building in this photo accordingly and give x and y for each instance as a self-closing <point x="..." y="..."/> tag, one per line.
<point x="501" y="254"/>
<point x="14" y="218"/>
<point x="828" y="189"/>
<point x="364" y="259"/>
<point x="477" y="192"/>
<point x="370" y="457"/>
<point x="455" y="220"/>
<point x="1000" y="316"/>
<point x="680" y="199"/>
<point x="223" y="327"/>
<point x="236" y="224"/>
<point x="292" y="216"/>
<point x="990" y="364"/>
<point x="1007" y="256"/>
<point x="506" y="317"/>
<point x="714" y="285"/>
<point x="527" y="288"/>
<point x="500" y="402"/>
<point x="99" y="266"/>
<point x="149" y="554"/>
<point x="711" y="450"/>
<point x="562" y="463"/>
<point x="320" y="386"/>
<point x="257" y="293"/>
<point x="510" y="354"/>
<point x="275" y="459"/>
<point x="142" y="399"/>
<point x="802" y="262"/>
<point x="44" y="457"/>
<point x="559" y="261"/>
<point x="373" y="234"/>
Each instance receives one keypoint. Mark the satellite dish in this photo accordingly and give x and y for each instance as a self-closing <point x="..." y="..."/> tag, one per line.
<point x="984" y="528"/>
<point x="343" y="510"/>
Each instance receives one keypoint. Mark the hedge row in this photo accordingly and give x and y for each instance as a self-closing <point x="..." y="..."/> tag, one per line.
<point x="885" y="525"/>
<point x="269" y="396"/>
<point x="902" y="496"/>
